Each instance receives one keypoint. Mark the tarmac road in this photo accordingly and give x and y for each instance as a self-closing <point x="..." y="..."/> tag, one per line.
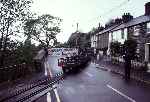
<point x="96" y="85"/>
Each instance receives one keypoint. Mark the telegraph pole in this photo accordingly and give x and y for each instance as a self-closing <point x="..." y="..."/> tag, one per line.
<point x="77" y="27"/>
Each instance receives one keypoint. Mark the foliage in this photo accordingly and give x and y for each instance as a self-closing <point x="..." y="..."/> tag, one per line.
<point x="64" y="45"/>
<point x="43" y="29"/>
<point x="130" y="48"/>
<point x="12" y="15"/>
<point x="20" y="53"/>
<point x="115" y="48"/>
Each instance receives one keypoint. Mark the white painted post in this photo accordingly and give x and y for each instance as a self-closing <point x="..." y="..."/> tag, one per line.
<point x="146" y="52"/>
<point x="147" y="55"/>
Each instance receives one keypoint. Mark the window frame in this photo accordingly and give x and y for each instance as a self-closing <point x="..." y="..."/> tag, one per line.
<point x="122" y="34"/>
<point x="148" y="24"/>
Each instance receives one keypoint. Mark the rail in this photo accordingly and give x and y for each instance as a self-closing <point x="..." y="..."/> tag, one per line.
<point x="32" y="91"/>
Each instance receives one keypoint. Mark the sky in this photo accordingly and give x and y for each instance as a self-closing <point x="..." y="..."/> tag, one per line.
<point x="88" y="13"/>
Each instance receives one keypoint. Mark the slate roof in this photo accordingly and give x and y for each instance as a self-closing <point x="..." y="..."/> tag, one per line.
<point x="76" y="35"/>
<point x="133" y="22"/>
<point x="108" y="29"/>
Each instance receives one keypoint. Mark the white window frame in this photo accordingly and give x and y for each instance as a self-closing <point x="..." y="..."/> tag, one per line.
<point x="136" y="30"/>
<point x="122" y="34"/>
<point x="148" y="27"/>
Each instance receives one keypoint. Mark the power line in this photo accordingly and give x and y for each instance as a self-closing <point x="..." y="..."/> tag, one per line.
<point x="111" y="10"/>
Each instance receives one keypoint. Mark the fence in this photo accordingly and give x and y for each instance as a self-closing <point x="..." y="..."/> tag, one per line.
<point x="134" y="64"/>
<point x="20" y="70"/>
<point x="13" y="72"/>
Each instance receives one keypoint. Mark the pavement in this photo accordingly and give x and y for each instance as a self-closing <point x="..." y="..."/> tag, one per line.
<point x="96" y="85"/>
<point x="138" y="75"/>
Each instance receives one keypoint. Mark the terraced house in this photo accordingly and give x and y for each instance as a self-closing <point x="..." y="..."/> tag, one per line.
<point x="136" y="28"/>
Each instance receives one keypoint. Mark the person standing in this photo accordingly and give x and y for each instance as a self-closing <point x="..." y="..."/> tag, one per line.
<point x="127" y="67"/>
<point x="130" y="48"/>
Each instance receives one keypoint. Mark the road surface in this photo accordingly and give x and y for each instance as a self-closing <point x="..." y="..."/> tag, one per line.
<point x="96" y="85"/>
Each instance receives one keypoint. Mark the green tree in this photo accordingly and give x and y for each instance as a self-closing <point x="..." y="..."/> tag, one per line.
<point x="43" y="29"/>
<point x="130" y="48"/>
<point x="115" y="48"/>
<point x="12" y="15"/>
<point x="25" y="52"/>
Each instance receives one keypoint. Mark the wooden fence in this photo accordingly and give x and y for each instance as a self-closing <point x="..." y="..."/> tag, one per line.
<point x="13" y="72"/>
<point x="16" y="71"/>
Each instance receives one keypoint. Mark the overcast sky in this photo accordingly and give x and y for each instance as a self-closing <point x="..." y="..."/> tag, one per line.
<point x="88" y="13"/>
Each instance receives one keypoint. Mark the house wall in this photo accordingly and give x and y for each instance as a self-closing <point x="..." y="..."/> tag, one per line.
<point x="138" y="33"/>
<point x="147" y="42"/>
<point x="119" y="35"/>
<point x="94" y="41"/>
<point x="103" y="40"/>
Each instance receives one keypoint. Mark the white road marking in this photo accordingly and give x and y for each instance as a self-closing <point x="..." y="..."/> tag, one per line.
<point x="48" y="97"/>
<point x="97" y="64"/>
<point x="90" y="75"/>
<point x="120" y="93"/>
<point x="55" y="91"/>
<point x="46" y="74"/>
<point x="57" y="96"/>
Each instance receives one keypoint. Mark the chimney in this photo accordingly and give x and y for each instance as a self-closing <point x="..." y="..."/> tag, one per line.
<point x="126" y="17"/>
<point x="147" y="8"/>
<point x="118" y="20"/>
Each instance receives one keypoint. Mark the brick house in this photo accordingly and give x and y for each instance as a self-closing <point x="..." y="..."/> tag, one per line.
<point x="93" y="40"/>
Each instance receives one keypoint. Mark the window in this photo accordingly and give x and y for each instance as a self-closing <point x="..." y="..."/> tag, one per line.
<point x="122" y="33"/>
<point x="148" y="27"/>
<point x="136" y="30"/>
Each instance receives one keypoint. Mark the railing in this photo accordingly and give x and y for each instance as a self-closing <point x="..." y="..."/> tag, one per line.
<point x="134" y="64"/>
<point x="13" y="72"/>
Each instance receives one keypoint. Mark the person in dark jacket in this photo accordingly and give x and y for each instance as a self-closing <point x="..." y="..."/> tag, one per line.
<point x="127" y="67"/>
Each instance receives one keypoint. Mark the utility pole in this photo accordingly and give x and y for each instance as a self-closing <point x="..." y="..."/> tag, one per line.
<point x="77" y="27"/>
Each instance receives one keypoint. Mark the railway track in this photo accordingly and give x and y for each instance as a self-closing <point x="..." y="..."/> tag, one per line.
<point x="32" y="91"/>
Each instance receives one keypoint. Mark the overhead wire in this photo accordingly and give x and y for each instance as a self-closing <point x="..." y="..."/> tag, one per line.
<point x="111" y="10"/>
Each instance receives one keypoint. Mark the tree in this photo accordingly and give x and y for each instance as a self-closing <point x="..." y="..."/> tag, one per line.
<point x="12" y="15"/>
<point x="115" y="48"/>
<point x="130" y="48"/>
<point x="43" y="29"/>
<point x="64" y="45"/>
<point x="25" y="53"/>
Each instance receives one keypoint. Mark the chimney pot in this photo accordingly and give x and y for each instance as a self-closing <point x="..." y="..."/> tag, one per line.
<point x="147" y="8"/>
